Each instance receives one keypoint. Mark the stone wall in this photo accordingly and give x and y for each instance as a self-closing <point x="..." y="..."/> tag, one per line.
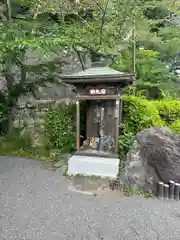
<point x="59" y="91"/>
<point x="29" y="117"/>
<point x="54" y="92"/>
<point x="29" y="113"/>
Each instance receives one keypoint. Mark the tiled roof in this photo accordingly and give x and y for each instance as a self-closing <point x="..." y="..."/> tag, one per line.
<point x="95" y="71"/>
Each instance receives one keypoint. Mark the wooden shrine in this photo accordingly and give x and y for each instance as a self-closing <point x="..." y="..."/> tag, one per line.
<point x="101" y="87"/>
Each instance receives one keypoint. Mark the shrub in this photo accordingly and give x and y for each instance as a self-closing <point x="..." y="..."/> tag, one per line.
<point x="139" y="113"/>
<point x="18" y="142"/>
<point x="16" y="139"/>
<point x="175" y="126"/>
<point x="125" y="142"/>
<point x="169" y="110"/>
<point x="60" y="126"/>
<point x="3" y="119"/>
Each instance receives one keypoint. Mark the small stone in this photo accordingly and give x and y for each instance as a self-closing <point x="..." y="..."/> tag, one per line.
<point x="58" y="164"/>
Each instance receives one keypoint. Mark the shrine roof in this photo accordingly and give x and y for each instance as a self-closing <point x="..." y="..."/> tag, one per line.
<point x="97" y="72"/>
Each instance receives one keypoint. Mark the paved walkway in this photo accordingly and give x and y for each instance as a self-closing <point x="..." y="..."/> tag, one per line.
<point x="35" y="204"/>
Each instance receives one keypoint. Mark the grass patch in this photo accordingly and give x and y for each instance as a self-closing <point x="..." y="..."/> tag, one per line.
<point x="19" y="144"/>
<point x="132" y="192"/>
<point x="115" y="185"/>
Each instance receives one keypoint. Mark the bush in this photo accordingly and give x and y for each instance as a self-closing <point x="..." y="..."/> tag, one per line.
<point x="4" y="125"/>
<point x="139" y="113"/>
<point x="125" y="142"/>
<point x="60" y="126"/>
<point x="169" y="110"/>
<point x="175" y="126"/>
<point x="15" y="140"/>
<point x="18" y="142"/>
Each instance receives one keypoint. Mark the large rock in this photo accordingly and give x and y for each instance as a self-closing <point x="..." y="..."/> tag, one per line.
<point x="154" y="156"/>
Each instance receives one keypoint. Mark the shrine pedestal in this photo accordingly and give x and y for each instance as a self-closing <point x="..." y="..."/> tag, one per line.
<point x="93" y="166"/>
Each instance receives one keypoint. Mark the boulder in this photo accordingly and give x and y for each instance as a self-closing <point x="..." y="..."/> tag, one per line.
<point x="154" y="156"/>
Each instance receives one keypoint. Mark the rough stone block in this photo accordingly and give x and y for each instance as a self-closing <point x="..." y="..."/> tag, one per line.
<point x="154" y="157"/>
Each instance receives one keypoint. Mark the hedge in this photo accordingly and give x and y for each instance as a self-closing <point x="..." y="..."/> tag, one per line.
<point x="169" y="110"/>
<point x="175" y="126"/>
<point x="139" y="113"/>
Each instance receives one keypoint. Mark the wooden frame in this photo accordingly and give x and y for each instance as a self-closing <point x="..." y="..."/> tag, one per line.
<point x="97" y="97"/>
<point x="77" y="125"/>
<point x="116" y="137"/>
<point x="117" y="121"/>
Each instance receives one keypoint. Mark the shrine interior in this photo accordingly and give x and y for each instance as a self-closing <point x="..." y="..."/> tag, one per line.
<point x="96" y="126"/>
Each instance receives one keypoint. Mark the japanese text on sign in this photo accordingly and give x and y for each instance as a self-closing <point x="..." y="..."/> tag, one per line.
<point x="98" y="91"/>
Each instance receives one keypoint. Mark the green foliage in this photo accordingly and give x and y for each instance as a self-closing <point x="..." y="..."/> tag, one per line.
<point x="60" y="126"/>
<point x="17" y="140"/>
<point x="2" y="114"/>
<point x="149" y="70"/>
<point x="110" y="28"/>
<point x="125" y="142"/>
<point x="148" y="90"/>
<point x="19" y="143"/>
<point x="4" y="118"/>
<point x="169" y="110"/>
<point x="139" y="113"/>
<point x="133" y="192"/>
<point x="175" y="126"/>
<point x="20" y="76"/>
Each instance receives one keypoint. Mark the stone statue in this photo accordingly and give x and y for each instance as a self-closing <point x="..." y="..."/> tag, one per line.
<point x="101" y="131"/>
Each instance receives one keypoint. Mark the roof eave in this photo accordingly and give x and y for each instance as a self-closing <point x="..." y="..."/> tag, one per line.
<point x="102" y="80"/>
<point x="95" y="77"/>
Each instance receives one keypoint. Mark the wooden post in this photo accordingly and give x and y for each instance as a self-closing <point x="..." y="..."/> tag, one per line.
<point x="120" y="112"/>
<point x="134" y="37"/>
<point x="8" y="9"/>
<point x="117" y="126"/>
<point x="77" y="125"/>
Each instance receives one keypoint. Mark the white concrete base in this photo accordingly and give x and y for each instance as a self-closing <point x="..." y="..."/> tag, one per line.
<point x="93" y="166"/>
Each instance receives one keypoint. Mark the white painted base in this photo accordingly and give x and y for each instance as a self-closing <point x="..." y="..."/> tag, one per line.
<point x="93" y="166"/>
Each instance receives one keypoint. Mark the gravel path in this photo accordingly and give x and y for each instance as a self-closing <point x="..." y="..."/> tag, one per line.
<point x="35" y="204"/>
